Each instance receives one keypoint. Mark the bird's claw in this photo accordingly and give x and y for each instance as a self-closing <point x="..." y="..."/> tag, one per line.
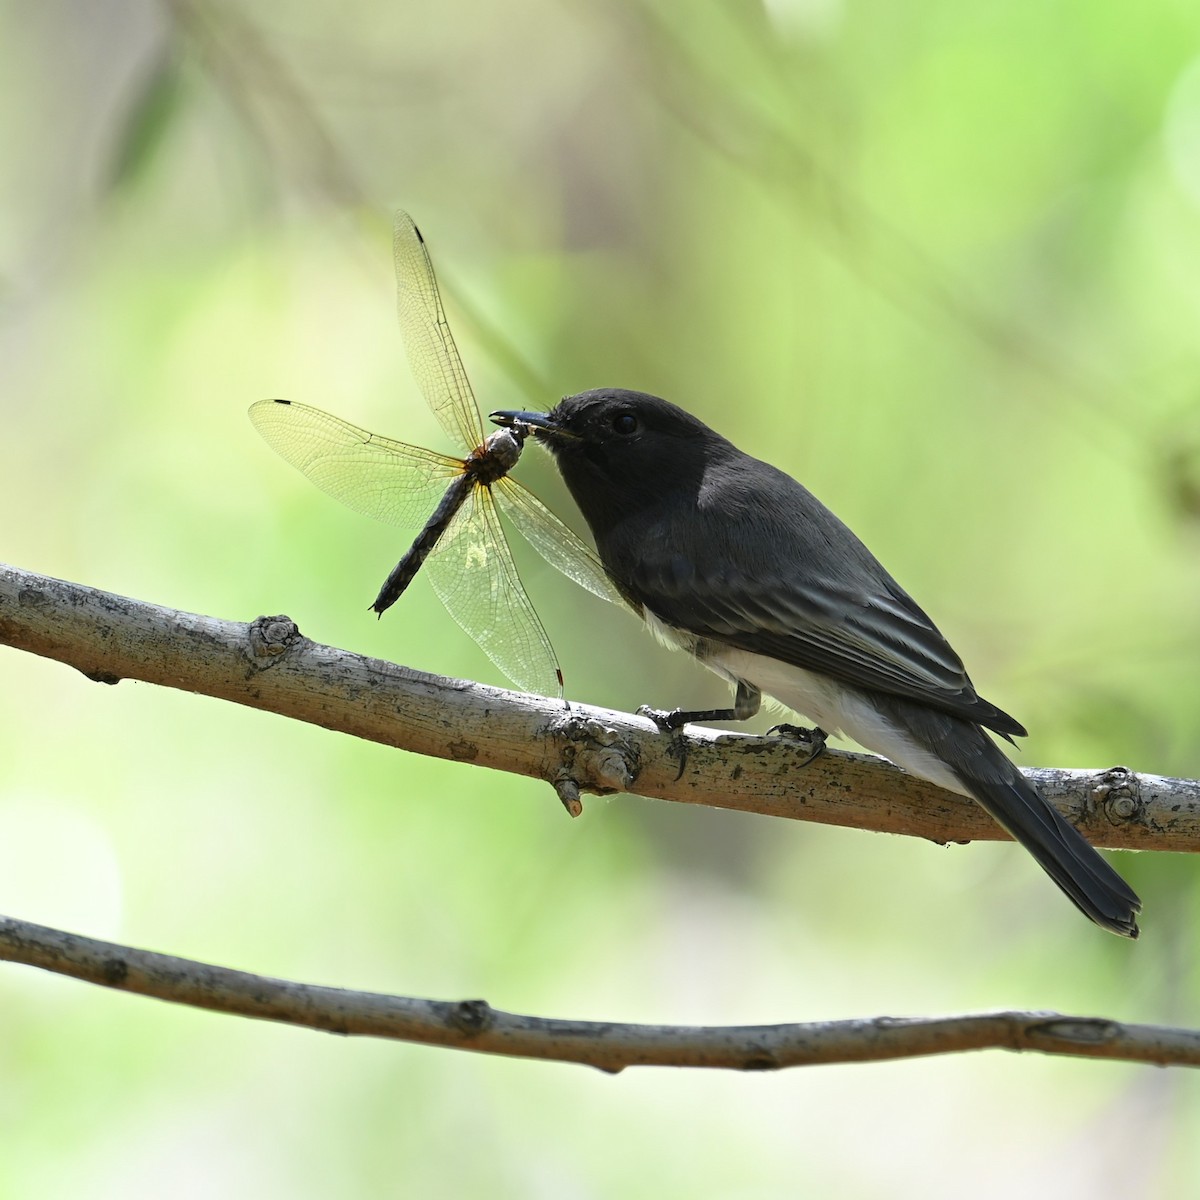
<point x="814" y="738"/>
<point x="666" y="721"/>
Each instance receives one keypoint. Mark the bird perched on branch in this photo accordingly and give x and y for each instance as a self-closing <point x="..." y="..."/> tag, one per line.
<point x="735" y="562"/>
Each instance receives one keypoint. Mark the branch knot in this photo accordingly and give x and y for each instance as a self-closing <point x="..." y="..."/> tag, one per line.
<point x="269" y="637"/>
<point x="593" y="757"/>
<point x="1118" y="795"/>
<point x="471" y="1017"/>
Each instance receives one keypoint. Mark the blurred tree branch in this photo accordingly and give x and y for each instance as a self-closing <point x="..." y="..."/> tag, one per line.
<point x="680" y="70"/>
<point x="287" y="127"/>
<point x="267" y="664"/>
<point x="475" y="1025"/>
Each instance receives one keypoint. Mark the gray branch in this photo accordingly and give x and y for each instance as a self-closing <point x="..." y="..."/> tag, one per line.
<point x="268" y="664"/>
<point x="474" y="1025"/>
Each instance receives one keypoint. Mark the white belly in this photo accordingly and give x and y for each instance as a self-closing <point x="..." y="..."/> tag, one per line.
<point x="836" y="708"/>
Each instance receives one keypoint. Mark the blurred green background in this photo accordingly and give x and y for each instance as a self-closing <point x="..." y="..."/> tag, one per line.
<point x="938" y="261"/>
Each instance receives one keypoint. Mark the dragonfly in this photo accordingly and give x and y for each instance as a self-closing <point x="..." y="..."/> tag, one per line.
<point x="462" y="546"/>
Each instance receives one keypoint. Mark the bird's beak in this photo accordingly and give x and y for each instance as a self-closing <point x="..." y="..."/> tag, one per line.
<point x="542" y="424"/>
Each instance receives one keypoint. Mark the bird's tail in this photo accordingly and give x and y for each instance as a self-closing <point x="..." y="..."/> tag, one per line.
<point x="989" y="777"/>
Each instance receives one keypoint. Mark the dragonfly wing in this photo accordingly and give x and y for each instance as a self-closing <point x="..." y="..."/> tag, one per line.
<point x="473" y="573"/>
<point x="557" y="544"/>
<point x="390" y="481"/>
<point x="432" y="355"/>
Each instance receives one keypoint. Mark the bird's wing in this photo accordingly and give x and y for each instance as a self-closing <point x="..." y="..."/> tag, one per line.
<point x="859" y="627"/>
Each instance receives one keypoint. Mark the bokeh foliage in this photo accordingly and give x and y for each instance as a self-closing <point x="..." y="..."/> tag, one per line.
<point x="938" y="261"/>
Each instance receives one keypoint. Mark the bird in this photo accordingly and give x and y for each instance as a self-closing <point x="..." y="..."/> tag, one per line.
<point x="732" y="560"/>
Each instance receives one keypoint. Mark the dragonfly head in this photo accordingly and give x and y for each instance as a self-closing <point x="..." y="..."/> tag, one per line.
<point x="498" y="454"/>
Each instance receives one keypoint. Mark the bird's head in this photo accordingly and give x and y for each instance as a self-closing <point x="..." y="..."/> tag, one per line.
<point x="619" y="449"/>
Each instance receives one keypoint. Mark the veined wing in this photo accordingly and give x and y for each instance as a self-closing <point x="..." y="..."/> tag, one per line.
<point x="433" y="357"/>
<point x="474" y="576"/>
<point x="553" y="540"/>
<point x="390" y="481"/>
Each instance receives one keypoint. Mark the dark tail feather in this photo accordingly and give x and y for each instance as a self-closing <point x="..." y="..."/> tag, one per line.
<point x="1014" y="803"/>
<point x="1058" y="847"/>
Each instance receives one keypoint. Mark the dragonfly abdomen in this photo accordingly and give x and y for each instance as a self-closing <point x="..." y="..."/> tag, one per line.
<point x="404" y="571"/>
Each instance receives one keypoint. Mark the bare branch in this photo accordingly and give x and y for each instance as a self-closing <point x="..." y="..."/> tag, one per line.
<point x="269" y="665"/>
<point x="474" y="1025"/>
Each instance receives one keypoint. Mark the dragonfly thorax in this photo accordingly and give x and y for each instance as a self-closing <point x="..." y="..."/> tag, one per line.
<point x="497" y="456"/>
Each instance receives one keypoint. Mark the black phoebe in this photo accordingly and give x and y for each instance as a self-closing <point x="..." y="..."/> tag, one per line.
<point x="732" y="560"/>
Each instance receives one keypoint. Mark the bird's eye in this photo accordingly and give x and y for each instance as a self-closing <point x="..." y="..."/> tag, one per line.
<point x="625" y="423"/>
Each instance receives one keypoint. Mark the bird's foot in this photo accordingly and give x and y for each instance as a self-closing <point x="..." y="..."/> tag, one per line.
<point x="676" y="718"/>
<point x="813" y="739"/>
<point x="671" y="722"/>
